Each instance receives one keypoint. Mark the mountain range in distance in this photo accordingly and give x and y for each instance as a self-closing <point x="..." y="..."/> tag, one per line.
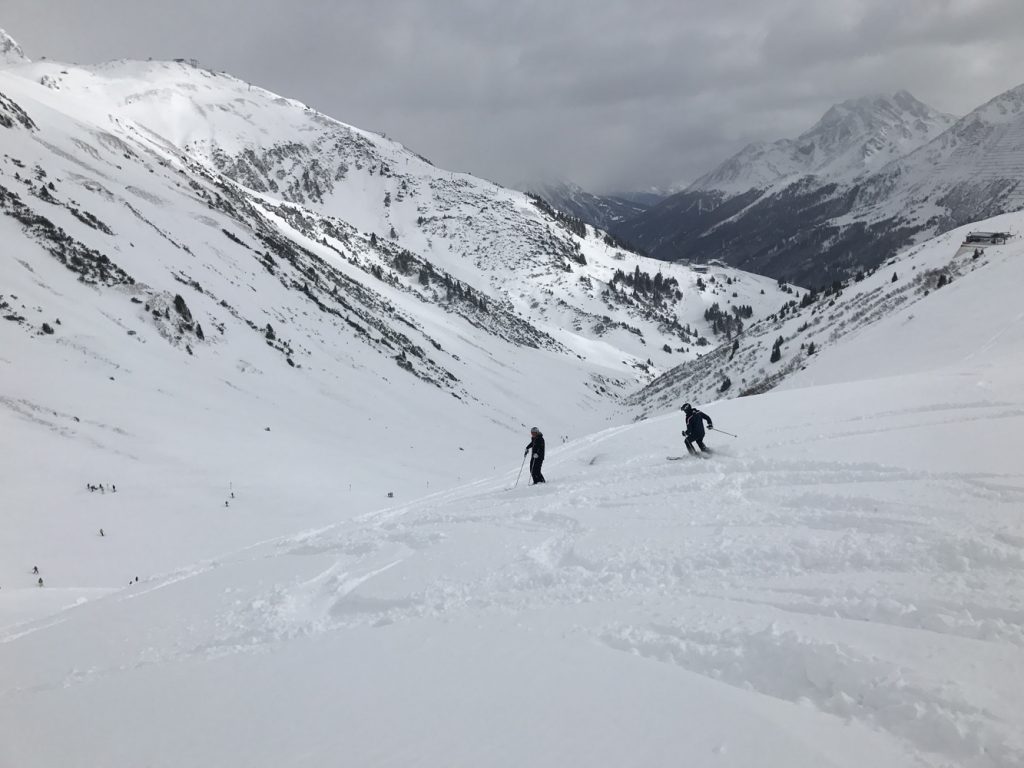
<point x="873" y="175"/>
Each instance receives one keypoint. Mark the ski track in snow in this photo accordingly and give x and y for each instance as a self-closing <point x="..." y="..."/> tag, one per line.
<point x="723" y="537"/>
<point x="783" y="577"/>
<point x="831" y="677"/>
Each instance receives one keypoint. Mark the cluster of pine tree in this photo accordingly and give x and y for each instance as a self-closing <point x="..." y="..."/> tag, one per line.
<point x="728" y="324"/>
<point x="657" y="287"/>
<point x="573" y="224"/>
<point x="616" y="242"/>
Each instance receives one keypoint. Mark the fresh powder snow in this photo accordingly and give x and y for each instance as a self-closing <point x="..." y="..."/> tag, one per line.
<point x="839" y="585"/>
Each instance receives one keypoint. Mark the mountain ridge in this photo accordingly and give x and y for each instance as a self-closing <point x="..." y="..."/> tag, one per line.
<point x="853" y="137"/>
<point x="213" y="214"/>
<point x="813" y="229"/>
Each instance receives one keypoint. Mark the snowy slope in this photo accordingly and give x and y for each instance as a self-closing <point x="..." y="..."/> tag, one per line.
<point x="209" y="155"/>
<point x="322" y="548"/>
<point x="813" y="324"/>
<point x="839" y="586"/>
<point x="150" y="303"/>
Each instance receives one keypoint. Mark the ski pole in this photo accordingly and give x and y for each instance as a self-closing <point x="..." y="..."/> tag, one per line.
<point x="520" y="471"/>
<point x="716" y="429"/>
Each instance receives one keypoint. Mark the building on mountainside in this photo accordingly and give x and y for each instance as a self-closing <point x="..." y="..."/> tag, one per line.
<point x="986" y="238"/>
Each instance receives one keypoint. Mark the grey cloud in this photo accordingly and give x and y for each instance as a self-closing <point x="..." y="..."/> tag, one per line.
<point x="614" y="95"/>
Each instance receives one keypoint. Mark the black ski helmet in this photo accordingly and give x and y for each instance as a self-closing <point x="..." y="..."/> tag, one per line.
<point x="686" y="407"/>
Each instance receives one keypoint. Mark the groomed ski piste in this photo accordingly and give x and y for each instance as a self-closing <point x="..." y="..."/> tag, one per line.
<point x="840" y="585"/>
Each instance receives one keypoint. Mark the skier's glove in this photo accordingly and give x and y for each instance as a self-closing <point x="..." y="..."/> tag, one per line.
<point x="710" y="425"/>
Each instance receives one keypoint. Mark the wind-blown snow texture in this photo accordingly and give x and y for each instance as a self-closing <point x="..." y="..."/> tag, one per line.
<point x="840" y="585"/>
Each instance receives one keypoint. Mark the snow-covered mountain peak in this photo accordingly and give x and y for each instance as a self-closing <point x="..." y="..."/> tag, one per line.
<point x="10" y="51"/>
<point x="900" y="118"/>
<point x="853" y="137"/>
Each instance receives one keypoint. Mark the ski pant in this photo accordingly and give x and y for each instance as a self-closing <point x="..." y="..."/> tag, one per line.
<point x="535" y="465"/>
<point x="691" y="440"/>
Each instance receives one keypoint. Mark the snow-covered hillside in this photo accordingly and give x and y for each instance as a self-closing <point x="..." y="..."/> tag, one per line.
<point x="322" y="548"/>
<point x="810" y="324"/>
<point x="839" y="585"/>
<point x="217" y="181"/>
<point x="180" y="269"/>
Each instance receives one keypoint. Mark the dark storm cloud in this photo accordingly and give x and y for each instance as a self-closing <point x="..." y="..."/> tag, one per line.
<point x="616" y="95"/>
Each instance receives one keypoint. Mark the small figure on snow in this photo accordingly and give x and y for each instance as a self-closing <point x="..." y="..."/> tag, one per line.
<point x="35" y="570"/>
<point x="536" y="445"/>
<point x="694" y="431"/>
<point x="102" y="533"/>
<point x="40" y="582"/>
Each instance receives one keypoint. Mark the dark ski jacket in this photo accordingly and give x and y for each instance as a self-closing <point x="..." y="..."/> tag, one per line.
<point x="695" y="425"/>
<point x="537" y="444"/>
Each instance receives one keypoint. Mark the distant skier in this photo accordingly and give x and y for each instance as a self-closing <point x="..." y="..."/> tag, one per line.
<point x="694" y="431"/>
<point x="536" y="445"/>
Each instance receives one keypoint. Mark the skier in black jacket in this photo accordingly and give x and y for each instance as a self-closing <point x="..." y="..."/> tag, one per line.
<point x="536" y="444"/>
<point x="695" y="428"/>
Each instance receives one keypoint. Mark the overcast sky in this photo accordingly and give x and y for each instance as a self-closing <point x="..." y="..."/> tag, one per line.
<point x="612" y="95"/>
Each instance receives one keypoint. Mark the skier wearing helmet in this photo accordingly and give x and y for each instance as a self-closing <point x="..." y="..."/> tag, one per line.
<point x="536" y="444"/>
<point x="694" y="431"/>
